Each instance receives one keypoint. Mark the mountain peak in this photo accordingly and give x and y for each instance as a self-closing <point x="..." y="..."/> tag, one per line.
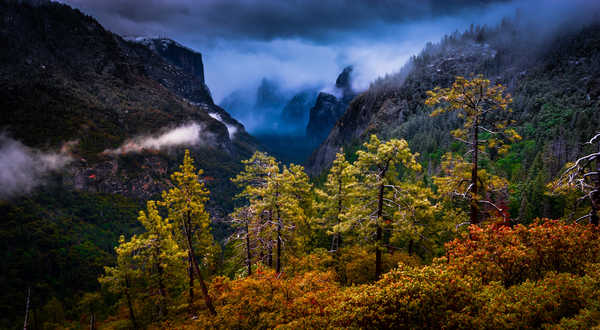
<point x="344" y="80"/>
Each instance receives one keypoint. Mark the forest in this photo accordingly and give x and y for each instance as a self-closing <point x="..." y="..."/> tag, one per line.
<point x="374" y="243"/>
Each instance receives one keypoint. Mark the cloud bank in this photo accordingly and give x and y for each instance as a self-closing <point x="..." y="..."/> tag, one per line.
<point x="22" y="169"/>
<point x="308" y="42"/>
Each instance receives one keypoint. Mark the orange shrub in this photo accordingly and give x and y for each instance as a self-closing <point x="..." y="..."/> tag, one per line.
<point x="265" y="300"/>
<point x="512" y="255"/>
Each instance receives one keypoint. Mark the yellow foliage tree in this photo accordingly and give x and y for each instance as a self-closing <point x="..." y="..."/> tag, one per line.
<point x="185" y="202"/>
<point x="477" y="102"/>
<point x="337" y="196"/>
<point x="377" y="196"/>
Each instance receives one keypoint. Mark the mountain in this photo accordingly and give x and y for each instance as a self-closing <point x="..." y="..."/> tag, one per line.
<point x="553" y="79"/>
<point x="295" y="114"/>
<point x="112" y="117"/>
<point x="100" y="90"/>
<point x="329" y="108"/>
<point x="258" y="108"/>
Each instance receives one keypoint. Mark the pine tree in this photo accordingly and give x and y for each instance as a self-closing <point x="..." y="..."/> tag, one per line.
<point x="380" y="166"/>
<point x="337" y="197"/>
<point x="152" y="260"/>
<point x="477" y="102"/>
<point x="124" y="278"/>
<point x="158" y="252"/>
<point x="254" y="180"/>
<point x="280" y="200"/>
<point x="185" y="202"/>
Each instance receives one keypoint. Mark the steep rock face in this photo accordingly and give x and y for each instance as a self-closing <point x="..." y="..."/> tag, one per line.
<point x="184" y="59"/>
<point x="296" y="112"/>
<point x="541" y="75"/>
<point x="344" y="84"/>
<point x="100" y="90"/>
<point x="269" y="95"/>
<point x="329" y="108"/>
<point x="323" y="116"/>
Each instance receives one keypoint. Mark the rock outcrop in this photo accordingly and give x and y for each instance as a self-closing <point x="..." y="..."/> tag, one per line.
<point x="329" y="108"/>
<point x="296" y="112"/>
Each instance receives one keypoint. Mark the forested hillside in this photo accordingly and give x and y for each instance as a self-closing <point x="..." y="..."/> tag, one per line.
<point x="556" y="95"/>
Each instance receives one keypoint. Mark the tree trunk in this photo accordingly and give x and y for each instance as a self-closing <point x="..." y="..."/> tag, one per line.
<point x="129" y="303"/>
<point x="410" y="247"/>
<point x="278" y="265"/>
<point x="27" y="309"/>
<point x="203" y="287"/>
<point x="379" y="237"/>
<point x="595" y="195"/>
<point x="338" y="235"/>
<point x="191" y="282"/>
<point x="474" y="178"/>
<point x="92" y="321"/>
<point x="248" y="252"/>
<point x="162" y="306"/>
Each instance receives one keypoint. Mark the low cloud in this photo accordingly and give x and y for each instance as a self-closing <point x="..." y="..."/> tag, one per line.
<point x="22" y="168"/>
<point x="189" y="134"/>
<point x="230" y="128"/>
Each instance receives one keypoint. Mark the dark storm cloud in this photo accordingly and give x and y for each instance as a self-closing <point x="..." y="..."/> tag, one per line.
<point x="308" y="42"/>
<point x="267" y="19"/>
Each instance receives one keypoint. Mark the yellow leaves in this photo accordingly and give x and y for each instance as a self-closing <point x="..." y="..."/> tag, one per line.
<point x="473" y="99"/>
<point x="512" y="135"/>
<point x="504" y="149"/>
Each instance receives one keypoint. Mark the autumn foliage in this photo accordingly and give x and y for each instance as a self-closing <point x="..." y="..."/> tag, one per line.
<point x="546" y="275"/>
<point x="501" y="277"/>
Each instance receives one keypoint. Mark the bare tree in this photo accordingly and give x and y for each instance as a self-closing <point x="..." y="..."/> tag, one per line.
<point x="584" y="175"/>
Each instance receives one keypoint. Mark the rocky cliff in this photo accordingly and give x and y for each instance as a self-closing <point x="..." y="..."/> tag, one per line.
<point x="295" y="114"/>
<point x="329" y="108"/>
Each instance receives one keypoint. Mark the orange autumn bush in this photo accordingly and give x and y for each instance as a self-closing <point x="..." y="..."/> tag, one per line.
<point x="541" y="276"/>
<point x="266" y="300"/>
<point x="512" y="255"/>
<point x="545" y="275"/>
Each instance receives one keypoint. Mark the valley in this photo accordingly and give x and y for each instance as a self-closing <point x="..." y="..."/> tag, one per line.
<point x="142" y="188"/>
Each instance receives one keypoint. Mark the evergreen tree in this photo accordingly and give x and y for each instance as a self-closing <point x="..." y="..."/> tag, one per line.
<point x="185" y="202"/>
<point x="280" y="200"/>
<point x="380" y="166"/>
<point x="584" y="176"/>
<point x="152" y="260"/>
<point x="258" y="171"/>
<point x="477" y="102"/>
<point x="124" y="278"/>
<point x="337" y="196"/>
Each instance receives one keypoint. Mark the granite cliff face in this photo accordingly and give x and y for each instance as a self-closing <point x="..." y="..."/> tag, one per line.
<point x="329" y="108"/>
<point x="184" y="59"/>
<point x="97" y="89"/>
<point x="295" y="114"/>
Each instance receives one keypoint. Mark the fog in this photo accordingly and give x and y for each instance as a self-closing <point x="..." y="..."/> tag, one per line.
<point x="186" y="135"/>
<point x="22" y="168"/>
<point x="307" y="43"/>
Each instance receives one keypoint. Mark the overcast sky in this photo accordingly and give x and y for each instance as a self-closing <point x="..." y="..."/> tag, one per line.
<point x="304" y="42"/>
